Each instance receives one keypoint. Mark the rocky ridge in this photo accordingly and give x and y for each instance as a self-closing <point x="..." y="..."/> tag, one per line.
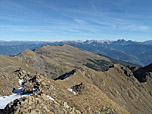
<point x="54" y="61"/>
<point x="119" y="84"/>
<point x="51" y="97"/>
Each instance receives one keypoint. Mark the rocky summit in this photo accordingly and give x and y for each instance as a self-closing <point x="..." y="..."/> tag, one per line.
<point x="65" y="80"/>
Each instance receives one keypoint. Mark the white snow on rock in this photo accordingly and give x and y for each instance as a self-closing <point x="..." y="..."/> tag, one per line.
<point x="19" y="90"/>
<point x="49" y="97"/>
<point x="34" y="90"/>
<point x="71" y="90"/>
<point x="4" y="100"/>
<point x="7" y="99"/>
<point x="21" y="82"/>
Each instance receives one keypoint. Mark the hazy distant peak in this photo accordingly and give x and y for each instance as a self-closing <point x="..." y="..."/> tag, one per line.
<point x="98" y="41"/>
<point x="27" y="52"/>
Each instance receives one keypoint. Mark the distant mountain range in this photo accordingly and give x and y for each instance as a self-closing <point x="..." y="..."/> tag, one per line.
<point x="129" y="51"/>
<point x="18" y="42"/>
<point x="139" y="53"/>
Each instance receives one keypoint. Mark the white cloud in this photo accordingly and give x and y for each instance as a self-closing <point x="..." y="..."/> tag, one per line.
<point x="143" y="27"/>
<point x="80" y="21"/>
<point x="134" y="27"/>
<point x="93" y="6"/>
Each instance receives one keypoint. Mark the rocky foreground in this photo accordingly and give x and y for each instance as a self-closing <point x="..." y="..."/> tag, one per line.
<point x="53" y="98"/>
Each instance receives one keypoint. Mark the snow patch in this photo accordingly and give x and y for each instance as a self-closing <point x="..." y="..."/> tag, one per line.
<point x="34" y="90"/>
<point x="71" y="90"/>
<point x="7" y="99"/>
<point x="19" y="90"/>
<point x="21" y="82"/>
<point x="49" y="97"/>
<point x="17" y="93"/>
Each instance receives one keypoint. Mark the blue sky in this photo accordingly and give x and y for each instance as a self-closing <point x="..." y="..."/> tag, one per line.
<point x="57" y="20"/>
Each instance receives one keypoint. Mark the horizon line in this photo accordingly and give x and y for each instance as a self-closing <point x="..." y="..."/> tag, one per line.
<point x="67" y="40"/>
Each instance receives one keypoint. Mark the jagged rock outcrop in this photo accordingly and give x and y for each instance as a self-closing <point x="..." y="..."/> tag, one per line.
<point x="78" y="88"/>
<point x="143" y="73"/>
<point x="7" y="83"/>
<point x="123" y="69"/>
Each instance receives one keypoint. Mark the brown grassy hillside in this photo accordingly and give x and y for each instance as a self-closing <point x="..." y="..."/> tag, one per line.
<point x="115" y="89"/>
